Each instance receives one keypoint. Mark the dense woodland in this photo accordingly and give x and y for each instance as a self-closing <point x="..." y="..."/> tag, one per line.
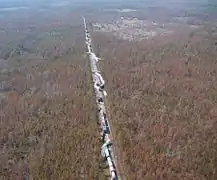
<point x="163" y="104"/>
<point x="48" y="126"/>
<point x="162" y="97"/>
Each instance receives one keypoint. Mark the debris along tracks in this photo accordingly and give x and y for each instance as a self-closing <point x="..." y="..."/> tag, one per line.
<point x="100" y="93"/>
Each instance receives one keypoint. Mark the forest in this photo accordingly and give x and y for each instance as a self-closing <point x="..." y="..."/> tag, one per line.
<point x="162" y="91"/>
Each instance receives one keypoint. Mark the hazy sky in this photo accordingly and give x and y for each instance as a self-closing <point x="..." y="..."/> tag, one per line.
<point x="11" y="3"/>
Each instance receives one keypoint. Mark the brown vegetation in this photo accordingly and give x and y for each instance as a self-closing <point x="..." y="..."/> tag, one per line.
<point x="162" y="101"/>
<point x="48" y="127"/>
<point x="162" y="98"/>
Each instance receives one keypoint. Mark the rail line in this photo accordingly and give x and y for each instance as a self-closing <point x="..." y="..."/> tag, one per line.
<point x="100" y="93"/>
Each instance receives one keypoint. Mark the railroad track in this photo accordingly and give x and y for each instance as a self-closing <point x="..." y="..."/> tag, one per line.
<point x="100" y="93"/>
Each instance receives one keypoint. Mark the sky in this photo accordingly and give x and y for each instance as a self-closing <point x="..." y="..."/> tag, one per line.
<point x="32" y="3"/>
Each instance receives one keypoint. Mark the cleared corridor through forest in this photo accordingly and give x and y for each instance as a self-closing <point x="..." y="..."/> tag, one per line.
<point x="100" y="93"/>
